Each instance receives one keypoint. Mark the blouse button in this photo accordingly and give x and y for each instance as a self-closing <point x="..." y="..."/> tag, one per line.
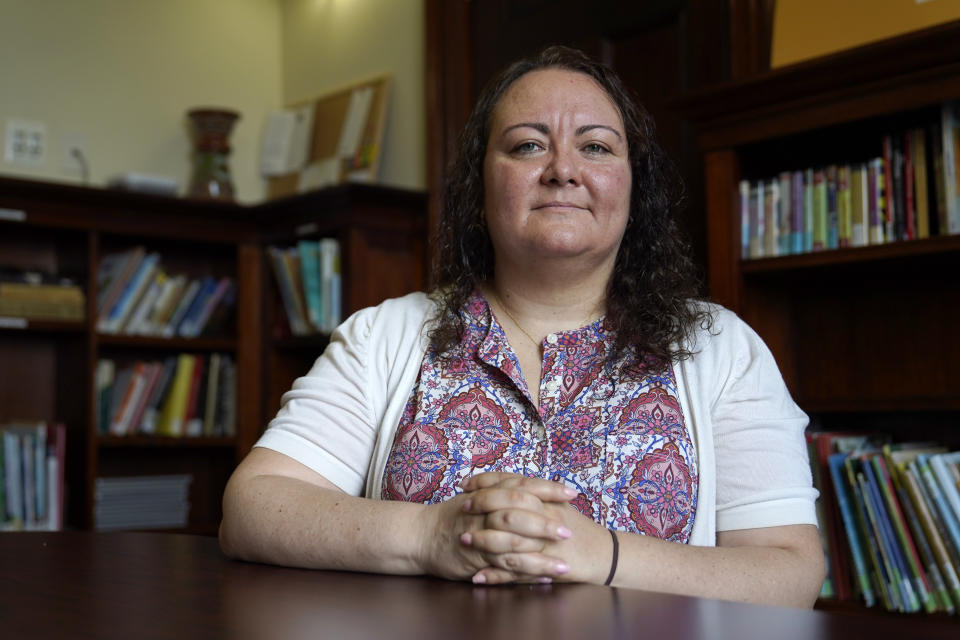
<point x="552" y="338"/>
<point x="552" y="385"/>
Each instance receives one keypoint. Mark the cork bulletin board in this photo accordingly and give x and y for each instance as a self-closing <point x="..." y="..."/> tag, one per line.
<point x="345" y="141"/>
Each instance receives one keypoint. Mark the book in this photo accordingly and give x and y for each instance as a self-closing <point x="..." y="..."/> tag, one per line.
<point x="844" y="207"/>
<point x="227" y="398"/>
<point x="295" y="316"/>
<point x="771" y="219"/>
<point x="113" y="275"/>
<point x="207" y="286"/>
<point x="918" y="151"/>
<point x="948" y="132"/>
<point x="859" y="205"/>
<point x="134" y="395"/>
<point x="851" y="526"/>
<point x="897" y="555"/>
<point x="330" y="268"/>
<point x="941" y="464"/>
<point x="833" y="203"/>
<point x="820" y="210"/>
<point x="169" y="328"/>
<point x="153" y="372"/>
<point x="921" y="583"/>
<point x="194" y="325"/>
<point x="744" y="219"/>
<point x="166" y="304"/>
<point x="914" y="513"/>
<point x="210" y="396"/>
<point x="170" y="420"/>
<point x="909" y="206"/>
<point x="797" y="211"/>
<point x="117" y="316"/>
<point x="941" y="510"/>
<point x="192" y="423"/>
<point x="880" y="572"/>
<point x="808" y="210"/>
<point x="151" y="412"/>
<point x="309" y="251"/>
<point x="875" y="182"/>
<point x="104" y="376"/>
<point x="924" y="506"/>
<point x="146" y="303"/>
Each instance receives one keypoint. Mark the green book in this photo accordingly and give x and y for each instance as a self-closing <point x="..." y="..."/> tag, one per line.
<point x="310" y="273"/>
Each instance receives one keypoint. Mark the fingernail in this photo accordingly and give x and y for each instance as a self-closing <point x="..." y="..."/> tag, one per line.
<point x="561" y="568"/>
<point x="570" y="491"/>
<point x="479" y="579"/>
<point x="466" y="539"/>
<point x="564" y="533"/>
<point x="467" y="504"/>
<point x="544" y="580"/>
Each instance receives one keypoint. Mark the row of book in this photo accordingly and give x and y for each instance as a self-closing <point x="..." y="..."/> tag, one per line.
<point x="32" y="459"/>
<point x="910" y="190"/>
<point x="35" y="295"/>
<point x="183" y="395"/>
<point x="141" y="502"/>
<point x="890" y="521"/>
<point x="137" y="296"/>
<point x="308" y="278"/>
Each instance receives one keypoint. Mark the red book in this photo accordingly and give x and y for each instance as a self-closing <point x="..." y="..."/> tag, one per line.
<point x="191" y="409"/>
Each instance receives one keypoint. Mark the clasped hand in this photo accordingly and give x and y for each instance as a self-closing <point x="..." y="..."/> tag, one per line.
<point x="506" y="527"/>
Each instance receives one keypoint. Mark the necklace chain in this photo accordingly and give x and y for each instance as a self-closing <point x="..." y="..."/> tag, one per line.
<point x="520" y="326"/>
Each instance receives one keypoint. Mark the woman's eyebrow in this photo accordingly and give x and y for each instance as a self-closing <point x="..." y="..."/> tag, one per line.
<point x="545" y="130"/>
<point x="589" y="127"/>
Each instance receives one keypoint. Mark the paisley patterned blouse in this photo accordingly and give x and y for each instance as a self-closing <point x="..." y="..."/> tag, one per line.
<point x="614" y="433"/>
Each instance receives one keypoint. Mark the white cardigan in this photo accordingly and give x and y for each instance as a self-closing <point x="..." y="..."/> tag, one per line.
<point x="340" y="419"/>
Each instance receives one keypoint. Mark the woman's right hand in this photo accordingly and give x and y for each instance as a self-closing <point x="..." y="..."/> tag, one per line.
<point x="516" y="526"/>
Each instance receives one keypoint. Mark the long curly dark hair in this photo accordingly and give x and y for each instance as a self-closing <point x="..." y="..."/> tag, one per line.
<point x="654" y="283"/>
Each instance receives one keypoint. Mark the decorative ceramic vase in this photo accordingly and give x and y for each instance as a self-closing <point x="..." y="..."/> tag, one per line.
<point x="211" y="173"/>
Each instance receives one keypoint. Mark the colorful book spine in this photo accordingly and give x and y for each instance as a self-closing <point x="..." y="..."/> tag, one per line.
<point x="850" y="525"/>
<point x="797" y="209"/>
<point x="820" y="206"/>
<point x="921" y="583"/>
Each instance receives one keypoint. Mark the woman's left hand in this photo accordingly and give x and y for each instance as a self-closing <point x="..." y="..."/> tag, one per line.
<point x="586" y="552"/>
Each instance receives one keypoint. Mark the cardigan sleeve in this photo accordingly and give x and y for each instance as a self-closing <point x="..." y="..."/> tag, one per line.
<point x="763" y="474"/>
<point x="325" y="421"/>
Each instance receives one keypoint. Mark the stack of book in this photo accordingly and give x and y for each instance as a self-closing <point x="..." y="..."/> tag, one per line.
<point x="32" y="476"/>
<point x="142" y="502"/>
<point x="909" y="190"/>
<point x="890" y="521"/>
<point x="308" y="277"/>
<point x="136" y="296"/>
<point x="182" y="395"/>
<point x="37" y="296"/>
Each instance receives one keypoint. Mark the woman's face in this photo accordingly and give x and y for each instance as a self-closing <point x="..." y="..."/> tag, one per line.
<point x="556" y="172"/>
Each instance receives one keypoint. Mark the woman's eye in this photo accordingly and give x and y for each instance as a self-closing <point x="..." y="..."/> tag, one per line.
<point x="526" y="147"/>
<point x="594" y="147"/>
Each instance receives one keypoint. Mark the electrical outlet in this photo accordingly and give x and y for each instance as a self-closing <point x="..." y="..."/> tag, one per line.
<point x="25" y="143"/>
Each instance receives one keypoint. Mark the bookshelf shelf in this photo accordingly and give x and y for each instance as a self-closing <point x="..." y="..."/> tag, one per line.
<point x="72" y="231"/>
<point x="195" y="442"/>
<point x="169" y="344"/>
<point x="944" y="247"/>
<point x="865" y="337"/>
<point x="15" y="324"/>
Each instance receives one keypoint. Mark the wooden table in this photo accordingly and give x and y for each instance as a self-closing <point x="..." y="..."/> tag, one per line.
<point x="151" y="585"/>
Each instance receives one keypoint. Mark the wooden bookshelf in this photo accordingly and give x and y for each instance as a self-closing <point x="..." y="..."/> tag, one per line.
<point x="49" y="371"/>
<point x="865" y="337"/>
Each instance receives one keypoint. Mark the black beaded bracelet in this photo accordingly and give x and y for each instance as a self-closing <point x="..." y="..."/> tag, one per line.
<point x="616" y="556"/>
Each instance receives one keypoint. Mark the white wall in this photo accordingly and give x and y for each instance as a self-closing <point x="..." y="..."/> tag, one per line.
<point x="328" y="44"/>
<point x="120" y="75"/>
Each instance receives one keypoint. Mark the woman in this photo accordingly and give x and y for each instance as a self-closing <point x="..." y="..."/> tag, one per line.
<point x="561" y="363"/>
